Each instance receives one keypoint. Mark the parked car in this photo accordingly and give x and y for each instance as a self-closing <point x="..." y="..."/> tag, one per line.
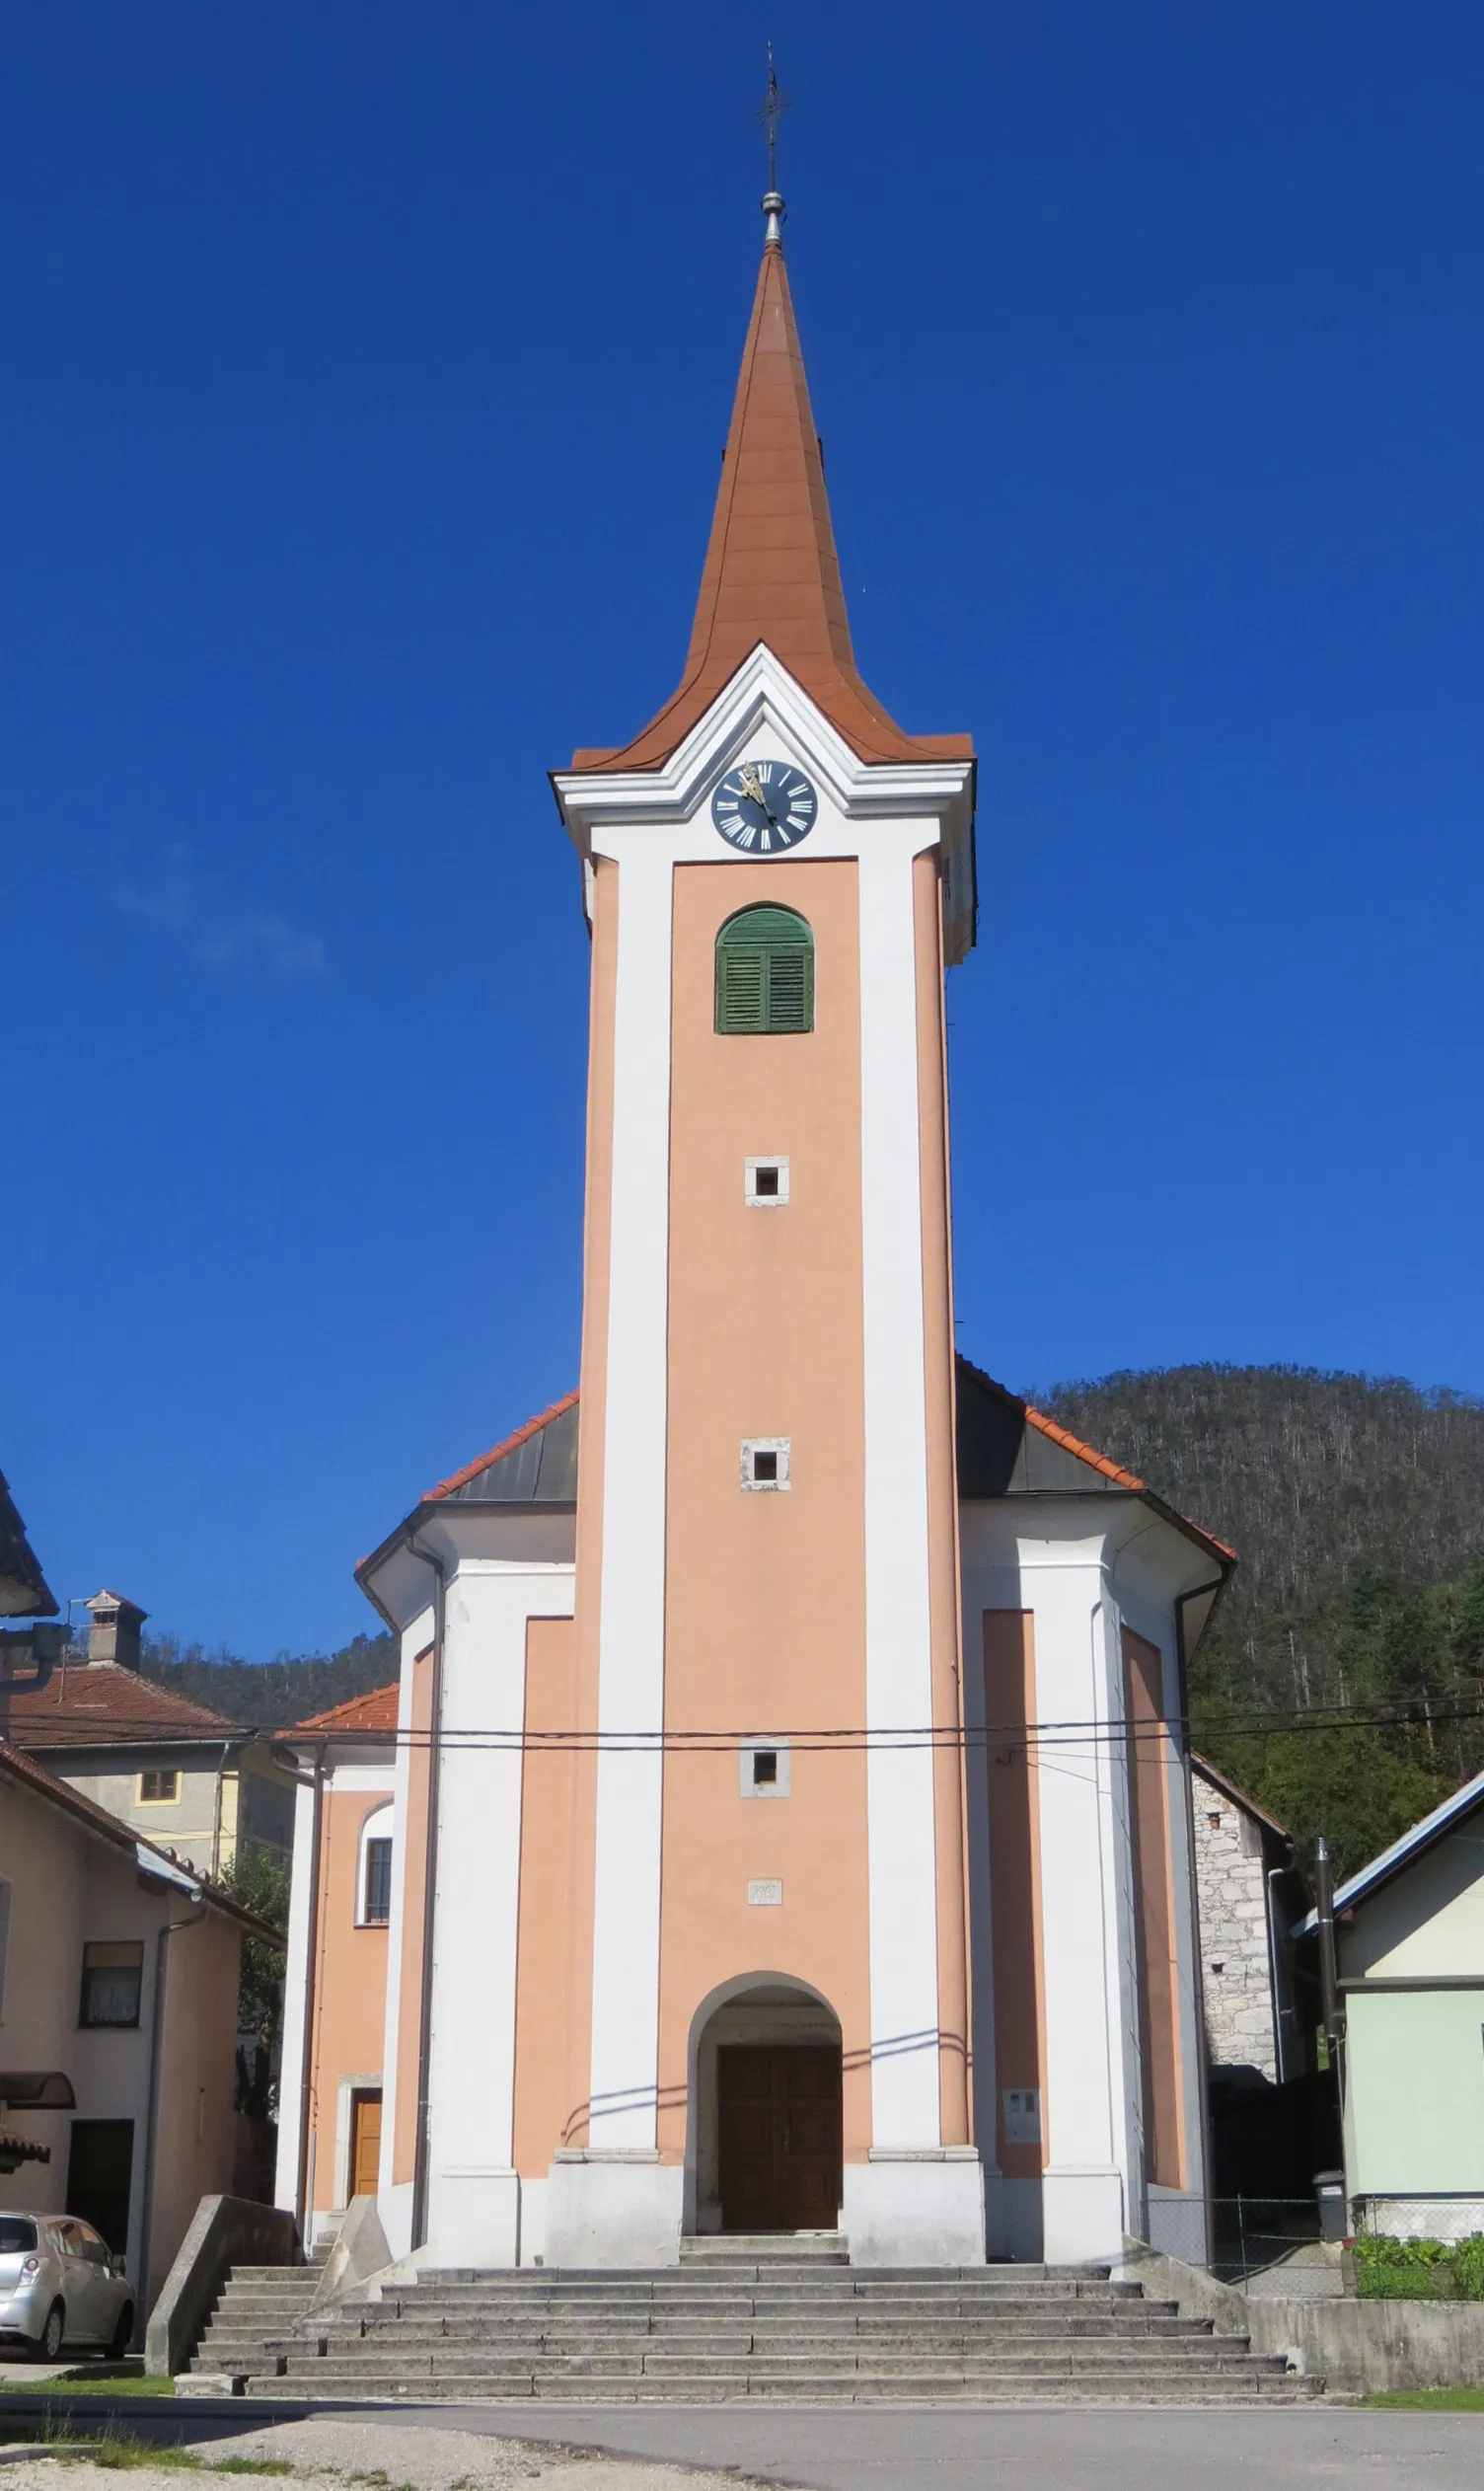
<point x="60" y="2283"/>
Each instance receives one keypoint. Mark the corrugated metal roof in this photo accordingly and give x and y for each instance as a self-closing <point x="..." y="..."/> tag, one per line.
<point x="536" y="1465"/>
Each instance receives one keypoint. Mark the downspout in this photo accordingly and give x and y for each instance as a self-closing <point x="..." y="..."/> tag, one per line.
<point x="163" y="1937"/>
<point x="312" y="1957"/>
<point x="430" y="1898"/>
<point x="216" y="1821"/>
<point x="1202" y="1591"/>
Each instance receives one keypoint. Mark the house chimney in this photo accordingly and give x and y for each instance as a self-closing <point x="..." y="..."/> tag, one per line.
<point x="113" y="1628"/>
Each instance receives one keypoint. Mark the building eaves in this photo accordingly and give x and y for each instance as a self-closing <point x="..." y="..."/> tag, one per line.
<point x="994" y="1459"/>
<point x="1400" y="1854"/>
<point x="533" y="1471"/>
<point x="27" y="1774"/>
<point x="24" y="1588"/>
<point x="1238" y="1797"/>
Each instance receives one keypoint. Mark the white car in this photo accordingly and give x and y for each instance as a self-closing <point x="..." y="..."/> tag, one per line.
<point x="60" y="2283"/>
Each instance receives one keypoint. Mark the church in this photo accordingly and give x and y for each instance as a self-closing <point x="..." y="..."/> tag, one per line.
<point x="781" y="1820"/>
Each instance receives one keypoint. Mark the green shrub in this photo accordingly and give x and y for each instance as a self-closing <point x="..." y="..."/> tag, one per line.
<point x="1419" y="2270"/>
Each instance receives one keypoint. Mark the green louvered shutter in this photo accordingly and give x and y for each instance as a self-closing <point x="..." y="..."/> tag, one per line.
<point x="764" y="973"/>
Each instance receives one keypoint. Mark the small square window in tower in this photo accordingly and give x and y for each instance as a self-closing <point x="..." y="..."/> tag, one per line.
<point x="764" y="1769"/>
<point x="765" y="1183"/>
<point x="764" y="1461"/>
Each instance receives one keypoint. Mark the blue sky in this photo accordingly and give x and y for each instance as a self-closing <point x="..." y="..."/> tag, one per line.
<point x="367" y="374"/>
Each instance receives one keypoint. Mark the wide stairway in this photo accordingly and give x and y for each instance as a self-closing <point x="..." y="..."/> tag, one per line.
<point x="742" y="2318"/>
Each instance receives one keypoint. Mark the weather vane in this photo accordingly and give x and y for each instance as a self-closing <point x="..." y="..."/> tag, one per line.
<point x="771" y="111"/>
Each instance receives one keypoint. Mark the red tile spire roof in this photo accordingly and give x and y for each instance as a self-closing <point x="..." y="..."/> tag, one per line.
<point x="771" y="572"/>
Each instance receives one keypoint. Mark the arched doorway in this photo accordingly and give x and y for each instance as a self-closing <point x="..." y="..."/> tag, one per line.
<point x="764" y="2144"/>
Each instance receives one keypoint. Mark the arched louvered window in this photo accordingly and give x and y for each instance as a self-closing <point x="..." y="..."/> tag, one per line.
<point x="764" y="973"/>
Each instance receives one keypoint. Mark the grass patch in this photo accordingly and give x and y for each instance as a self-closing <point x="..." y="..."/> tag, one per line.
<point x="1432" y="2399"/>
<point x="117" y="2453"/>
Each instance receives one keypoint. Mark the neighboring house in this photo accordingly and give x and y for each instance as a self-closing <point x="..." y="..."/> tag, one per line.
<point x="337" y="1994"/>
<point x="119" y="1983"/>
<point x="1409" y="1933"/>
<point x="1251" y="1890"/>
<point x="196" y="1783"/>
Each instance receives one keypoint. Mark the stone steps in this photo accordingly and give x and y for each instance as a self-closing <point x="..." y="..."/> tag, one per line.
<point x="731" y="2327"/>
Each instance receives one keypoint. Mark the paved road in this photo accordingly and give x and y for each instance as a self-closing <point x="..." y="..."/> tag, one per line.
<point x="932" y="2448"/>
<point x="861" y="2449"/>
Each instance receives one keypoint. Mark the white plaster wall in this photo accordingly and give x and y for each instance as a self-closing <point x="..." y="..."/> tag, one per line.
<point x="472" y="2194"/>
<point x="632" y="1630"/>
<point x="903" y="1878"/>
<point x="394" y="2201"/>
<point x="295" y="1993"/>
<point x="1064" y="1572"/>
<point x="1427" y="1921"/>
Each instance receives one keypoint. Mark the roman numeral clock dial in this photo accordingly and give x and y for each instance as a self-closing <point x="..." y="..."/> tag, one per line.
<point x="763" y="806"/>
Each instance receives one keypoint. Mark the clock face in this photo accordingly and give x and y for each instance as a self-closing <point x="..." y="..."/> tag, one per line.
<point x="763" y="806"/>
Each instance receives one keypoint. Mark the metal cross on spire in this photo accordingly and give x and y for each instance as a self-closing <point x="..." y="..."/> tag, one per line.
<point x="771" y="111"/>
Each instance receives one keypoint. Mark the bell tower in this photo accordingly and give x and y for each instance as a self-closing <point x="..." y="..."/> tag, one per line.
<point x="766" y="1604"/>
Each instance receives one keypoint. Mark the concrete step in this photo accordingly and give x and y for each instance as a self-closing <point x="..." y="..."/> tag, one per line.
<point x="1152" y="2388"/>
<point x="532" y="2326"/>
<point x="729" y="2328"/>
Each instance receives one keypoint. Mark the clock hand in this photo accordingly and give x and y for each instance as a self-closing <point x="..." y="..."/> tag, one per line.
<point x="747" y="780"/>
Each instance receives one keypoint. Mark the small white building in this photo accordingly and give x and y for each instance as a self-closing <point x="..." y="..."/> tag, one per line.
<point x="119" y="1981"/>
<point x="1409" y="1939"/>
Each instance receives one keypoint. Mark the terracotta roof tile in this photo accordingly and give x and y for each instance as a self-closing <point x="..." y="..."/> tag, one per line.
<point x="772" y="572"/>
<point x="98" y="1704"/>
<point x="374" y="1712"/>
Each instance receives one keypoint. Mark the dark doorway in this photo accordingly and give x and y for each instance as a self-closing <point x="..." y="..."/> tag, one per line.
<point x="778" y="2142"/>
<point x="100" y="2167"/>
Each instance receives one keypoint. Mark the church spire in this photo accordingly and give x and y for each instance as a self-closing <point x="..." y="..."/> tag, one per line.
<point x="771" y="572"/>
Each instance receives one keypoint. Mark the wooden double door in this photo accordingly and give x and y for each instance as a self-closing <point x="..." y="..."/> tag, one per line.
<point x="778" y="2137"/>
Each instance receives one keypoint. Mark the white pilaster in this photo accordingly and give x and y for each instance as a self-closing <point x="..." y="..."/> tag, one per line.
<point x="631" y="1631"/>
<point x="902" y="1866"/>
<point x="394" y="2203"/>
<point x="1082" y="2189"/>
<point x="295" y="2004"/>
<point x="472" y="2194"/>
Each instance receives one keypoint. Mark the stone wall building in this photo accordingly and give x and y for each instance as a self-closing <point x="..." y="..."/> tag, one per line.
<point x="1250" y="1892"/>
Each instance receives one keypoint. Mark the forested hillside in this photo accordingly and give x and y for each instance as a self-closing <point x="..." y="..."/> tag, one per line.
<point x="271" y="1695"/>
<point x="1357" y="1507"/>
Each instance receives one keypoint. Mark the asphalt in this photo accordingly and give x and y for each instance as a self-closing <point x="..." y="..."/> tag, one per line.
<point x="932" y="2448"/>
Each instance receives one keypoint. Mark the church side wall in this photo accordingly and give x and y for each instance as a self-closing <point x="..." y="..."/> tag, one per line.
<point x="350" y="1981"/>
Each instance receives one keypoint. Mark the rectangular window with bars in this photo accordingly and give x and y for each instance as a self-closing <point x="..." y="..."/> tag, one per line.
<point x="376" y="1901"/>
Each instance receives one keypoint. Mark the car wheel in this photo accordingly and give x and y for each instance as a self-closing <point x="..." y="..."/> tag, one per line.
<point x="122" y="2334"/>
<point x="48" y="2344"/>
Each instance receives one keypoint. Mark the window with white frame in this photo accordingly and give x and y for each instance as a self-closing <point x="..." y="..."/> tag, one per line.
<point x="373" y="1884"/>
<point x="766" y="1462"/>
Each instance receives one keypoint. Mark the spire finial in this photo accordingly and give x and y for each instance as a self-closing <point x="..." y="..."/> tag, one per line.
<point x="771" y="111"/>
